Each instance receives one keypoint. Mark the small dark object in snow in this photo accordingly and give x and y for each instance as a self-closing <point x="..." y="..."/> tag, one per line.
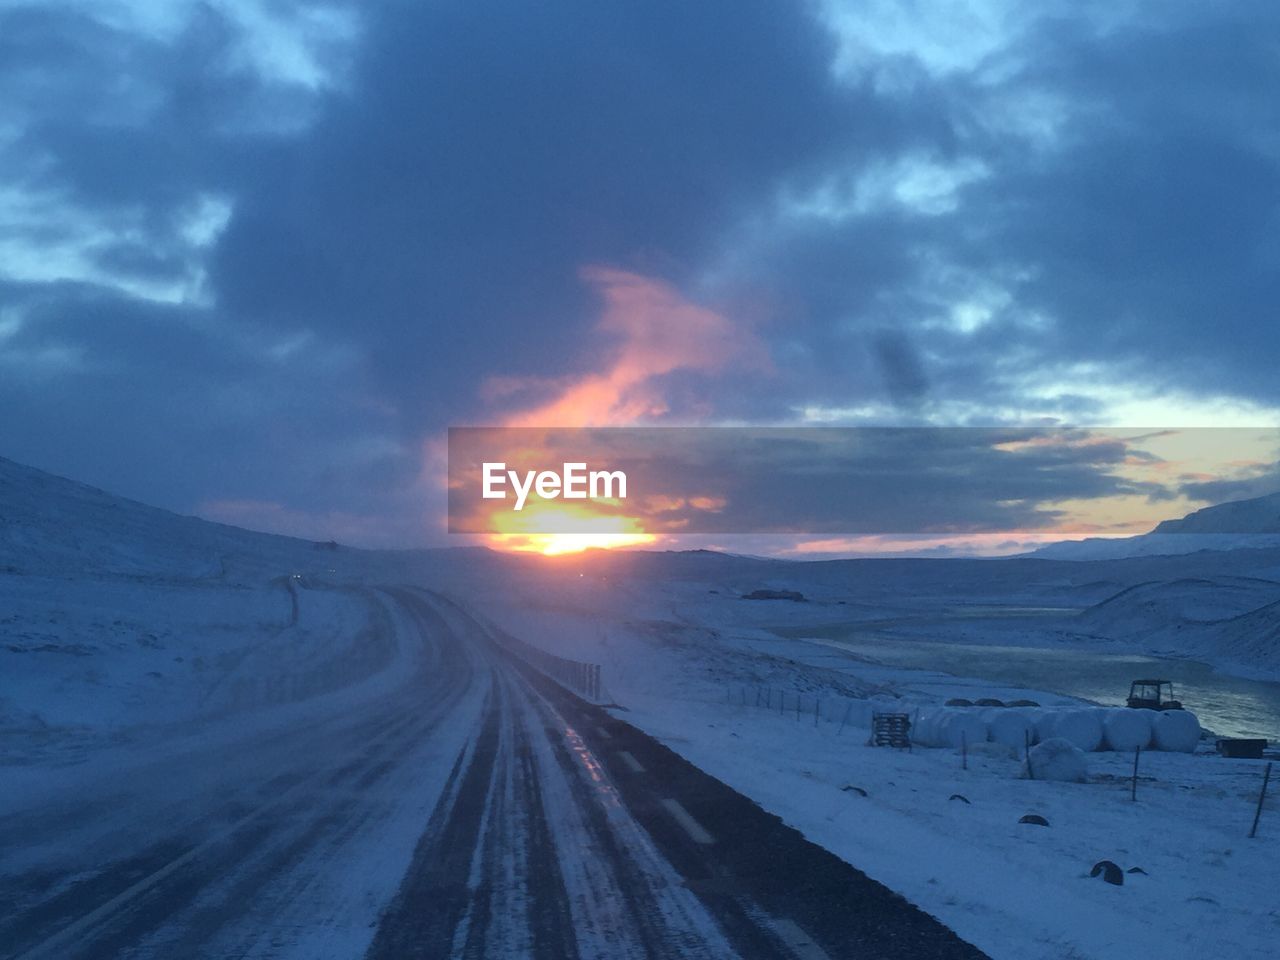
<point x="850" y="788"/>
<point x="1035" y="818"/>
<point x="959" y="796"/>
<point x="959" y="702"/>
<point x="1109" y="872"/>
<point x="988" y="702"/>
<point x="1136" y="870"/>
<point x="1241" y="748"/>
<point x="793" y="595"/>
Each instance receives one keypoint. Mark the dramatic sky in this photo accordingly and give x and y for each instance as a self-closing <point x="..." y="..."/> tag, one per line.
<point x="256" y="255"/>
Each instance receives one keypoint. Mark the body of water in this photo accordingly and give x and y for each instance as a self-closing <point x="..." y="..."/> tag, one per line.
<point x="1230" y="706"/>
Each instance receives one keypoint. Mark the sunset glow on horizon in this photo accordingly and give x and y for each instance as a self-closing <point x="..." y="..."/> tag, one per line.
<point x="579" y="529"/>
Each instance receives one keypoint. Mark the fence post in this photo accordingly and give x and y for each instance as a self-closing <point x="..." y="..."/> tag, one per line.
<point x="1133" y="790"/>
<point x="845" y="719"/>
<point x="964" y="750"/>
<point x="1262" y="795"/>
<point x="1026" y="753"/>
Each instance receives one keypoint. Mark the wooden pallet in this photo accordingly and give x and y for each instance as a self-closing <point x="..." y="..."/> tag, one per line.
<point x="891" y="730"/>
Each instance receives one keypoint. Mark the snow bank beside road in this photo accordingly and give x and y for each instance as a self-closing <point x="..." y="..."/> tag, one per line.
<point x="87" y="663"/>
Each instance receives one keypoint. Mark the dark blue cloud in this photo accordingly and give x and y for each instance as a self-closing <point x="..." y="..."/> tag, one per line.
<point x="489" y="152"/>
<point x="911" y="242"/>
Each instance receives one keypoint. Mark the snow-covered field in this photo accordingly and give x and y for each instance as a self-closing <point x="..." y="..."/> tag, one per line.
<point x="1014" y="890"/>
<point x="126" y="632"/>
<point x="691" y="662"/>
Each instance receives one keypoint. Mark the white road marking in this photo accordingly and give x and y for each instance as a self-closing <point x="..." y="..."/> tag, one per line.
<point x="797" y="941"/>
<point x="632" y="763"/>
<point x="691" y="826"/>
<point x="604" y="733"/>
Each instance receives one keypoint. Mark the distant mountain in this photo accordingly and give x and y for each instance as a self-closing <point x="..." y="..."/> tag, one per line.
<point x="1259" y="515"/>
<point x="1235" y="525"/>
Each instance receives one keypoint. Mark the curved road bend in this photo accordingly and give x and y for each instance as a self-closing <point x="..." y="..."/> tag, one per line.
<point x="480" y="811"/>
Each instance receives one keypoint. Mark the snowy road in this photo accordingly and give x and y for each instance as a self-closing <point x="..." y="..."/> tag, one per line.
<point x="473" y="810"/>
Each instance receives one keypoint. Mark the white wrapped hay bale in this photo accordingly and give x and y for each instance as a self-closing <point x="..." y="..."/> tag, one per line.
<point x="933" y="722"/>
<point x="1045" y="720"/>
<point x="1057" y="759"/>
<point x="963" y="727"/>
<point x="1011" y="727"/>
<point x="1082" y="728"/>
<point x="924" y="730"/>
<point x="938" y="735"/>
<point x="1176" y="730"/>
<point x="860" y="712"/>
<point x="1127" y="729"/>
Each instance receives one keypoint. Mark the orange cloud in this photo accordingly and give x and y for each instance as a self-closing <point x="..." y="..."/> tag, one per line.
<point x="655" y="332"/>
<point x="649" y="331"/>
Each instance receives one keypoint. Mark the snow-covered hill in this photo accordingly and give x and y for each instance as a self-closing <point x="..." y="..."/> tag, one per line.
<point x="58" y="527"/>
<point x="1261" y="515"/>
<point x="1230" y="620"/>
<point x="1155" y="545"/>
<point x="1235" y="525"/>
<point x="118" y="620"/>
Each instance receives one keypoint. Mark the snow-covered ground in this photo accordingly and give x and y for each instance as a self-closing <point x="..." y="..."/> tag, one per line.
<point x="128" y="632"/>
<point x="122" y="625"/>
<point x="117" y="658"/>
<point x="691" y="662"/>
<point x="1014" y="890"/>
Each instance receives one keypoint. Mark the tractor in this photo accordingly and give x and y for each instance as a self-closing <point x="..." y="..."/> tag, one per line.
<point x="1152" y="695"/>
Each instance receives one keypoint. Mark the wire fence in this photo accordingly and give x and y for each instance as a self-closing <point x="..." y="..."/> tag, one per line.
<point x="579" y="676"/>
<point x="813" y="708"/>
